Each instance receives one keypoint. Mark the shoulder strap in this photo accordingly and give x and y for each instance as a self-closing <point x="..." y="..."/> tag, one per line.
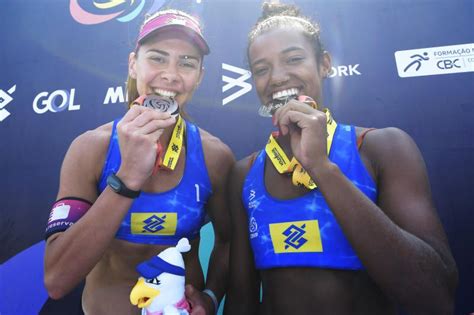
<point x="360" y="138"/>
<point x="252" y="158"/>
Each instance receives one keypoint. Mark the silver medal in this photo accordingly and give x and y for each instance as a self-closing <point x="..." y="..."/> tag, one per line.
<point x="162" y="103"/>
<point x="270" y="109"/>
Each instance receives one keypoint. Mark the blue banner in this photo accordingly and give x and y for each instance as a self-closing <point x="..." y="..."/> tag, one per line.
<point x="407" y="64"/>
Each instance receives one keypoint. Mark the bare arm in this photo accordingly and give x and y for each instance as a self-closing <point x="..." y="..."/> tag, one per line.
<point x="244" y="286"/>
<point x="219" y="160"/>
<point x="72" y="254"/>
<point x="400" y="239"/>
<point x="217" y="274"/>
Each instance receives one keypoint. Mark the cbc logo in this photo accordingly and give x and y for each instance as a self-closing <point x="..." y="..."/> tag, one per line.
<point x="57" y="101"/>
<point x="447" y="64"/>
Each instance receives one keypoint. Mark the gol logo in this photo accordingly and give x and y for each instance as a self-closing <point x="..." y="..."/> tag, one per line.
<point x="55" y="102"/>
<point x="109" y="10"/>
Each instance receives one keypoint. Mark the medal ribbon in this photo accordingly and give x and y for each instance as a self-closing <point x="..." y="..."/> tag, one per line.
<point x="283" y="164"/>
<point x="173" y="151"/>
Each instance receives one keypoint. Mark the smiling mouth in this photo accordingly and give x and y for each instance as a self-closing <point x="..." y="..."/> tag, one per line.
<point x="165" y="93"/>
<point x="285" y="93"/>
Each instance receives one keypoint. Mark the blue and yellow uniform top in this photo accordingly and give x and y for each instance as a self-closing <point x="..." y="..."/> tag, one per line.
<point x="303" y="232"/>
<point x="166" y="217"/>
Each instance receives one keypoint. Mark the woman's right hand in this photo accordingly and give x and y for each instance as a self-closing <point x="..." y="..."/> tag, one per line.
<point x="138" y="133"/>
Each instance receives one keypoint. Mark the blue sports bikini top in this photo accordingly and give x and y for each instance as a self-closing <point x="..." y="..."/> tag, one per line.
<point x="164" y="218"/>
<point x="303" y="231"/>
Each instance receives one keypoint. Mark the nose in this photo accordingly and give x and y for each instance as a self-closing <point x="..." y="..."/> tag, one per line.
<point x="279" y="77"/>
<point x="170" y="73"/>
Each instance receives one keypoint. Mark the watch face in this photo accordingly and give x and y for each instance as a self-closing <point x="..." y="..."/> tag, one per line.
<point x="113" y="183"/>
<point x="120" y="188"/>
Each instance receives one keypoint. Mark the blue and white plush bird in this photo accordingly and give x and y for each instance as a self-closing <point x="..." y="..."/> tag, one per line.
<point x="160" y="289"/>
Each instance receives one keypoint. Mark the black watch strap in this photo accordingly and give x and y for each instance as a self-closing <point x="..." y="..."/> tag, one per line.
<point x="120" y="188"/>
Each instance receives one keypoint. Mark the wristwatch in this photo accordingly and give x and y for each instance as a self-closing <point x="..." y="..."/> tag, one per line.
<point x="120" y="188"/>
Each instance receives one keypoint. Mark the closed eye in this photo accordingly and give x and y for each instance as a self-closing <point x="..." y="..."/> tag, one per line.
<point x="158" y="59"/>
<point x="294" y="59"/>
<point x="259" y="71"/>
<point x="189" y="64"/>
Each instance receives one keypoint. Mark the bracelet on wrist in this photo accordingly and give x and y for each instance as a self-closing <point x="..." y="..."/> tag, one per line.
<point x="213" y="297"/>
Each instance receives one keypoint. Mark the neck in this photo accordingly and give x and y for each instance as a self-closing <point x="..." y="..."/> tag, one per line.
<point x="166" y="135"/>
<point x="285" y="144"/>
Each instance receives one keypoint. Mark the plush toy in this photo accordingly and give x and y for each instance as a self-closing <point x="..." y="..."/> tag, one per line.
<point x="160" y="289"/>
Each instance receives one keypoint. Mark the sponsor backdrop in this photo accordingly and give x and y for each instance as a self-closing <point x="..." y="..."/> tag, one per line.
<point x="407" y="64"/>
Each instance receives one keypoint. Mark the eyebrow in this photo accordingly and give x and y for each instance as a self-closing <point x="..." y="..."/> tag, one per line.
<point x="284" y="51"/>
<point x="182" y="57"/>
<point x="290" y="49"/>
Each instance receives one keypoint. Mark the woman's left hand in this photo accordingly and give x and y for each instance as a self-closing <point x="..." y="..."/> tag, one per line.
<point x="306" y="127"/>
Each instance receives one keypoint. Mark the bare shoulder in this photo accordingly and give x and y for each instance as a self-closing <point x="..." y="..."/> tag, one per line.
<point x="83" y="163"/>
<point x="392" y="134"/>
<point x="218" y="155"/>
<point x="390" y="145"/>
<point x="243" y="166"/>
<point x="237" y="177"/>
<point x="92" y="144"/>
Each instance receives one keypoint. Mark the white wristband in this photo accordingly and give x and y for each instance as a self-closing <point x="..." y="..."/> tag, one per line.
<point x="213" y="298"/>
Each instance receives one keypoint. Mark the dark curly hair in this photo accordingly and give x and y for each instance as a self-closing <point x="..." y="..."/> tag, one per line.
<point x="276" y="15"/>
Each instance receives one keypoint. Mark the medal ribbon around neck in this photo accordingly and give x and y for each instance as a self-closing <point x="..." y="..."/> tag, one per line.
<point x="173" y="151"/>
<point x="283" y="164"/>
<point x="169" y="105"/>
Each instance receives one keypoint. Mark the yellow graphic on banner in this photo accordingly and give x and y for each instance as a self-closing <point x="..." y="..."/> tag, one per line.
<point x="296" y="237"/>
<point x="154" y="223"/>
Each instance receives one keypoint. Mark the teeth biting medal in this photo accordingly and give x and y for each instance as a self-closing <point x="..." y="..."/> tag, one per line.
<point x="270" y="109"/>
<point x="275" y="153"/>
<point x="162" y="103"/>
<point x="166" y="105"/>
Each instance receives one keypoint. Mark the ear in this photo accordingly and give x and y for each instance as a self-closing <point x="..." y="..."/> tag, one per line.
<point x="132" y="65"/>
<point x="325" y="65"/>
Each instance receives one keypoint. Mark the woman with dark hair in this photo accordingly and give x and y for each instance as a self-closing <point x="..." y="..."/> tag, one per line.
<point x="328" y="218"/>
<point x="132" y="188"/>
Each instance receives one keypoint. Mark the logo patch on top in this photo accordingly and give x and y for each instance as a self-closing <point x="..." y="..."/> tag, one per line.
<point x="154" y="223"/>
<point x="296" y="237"/>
